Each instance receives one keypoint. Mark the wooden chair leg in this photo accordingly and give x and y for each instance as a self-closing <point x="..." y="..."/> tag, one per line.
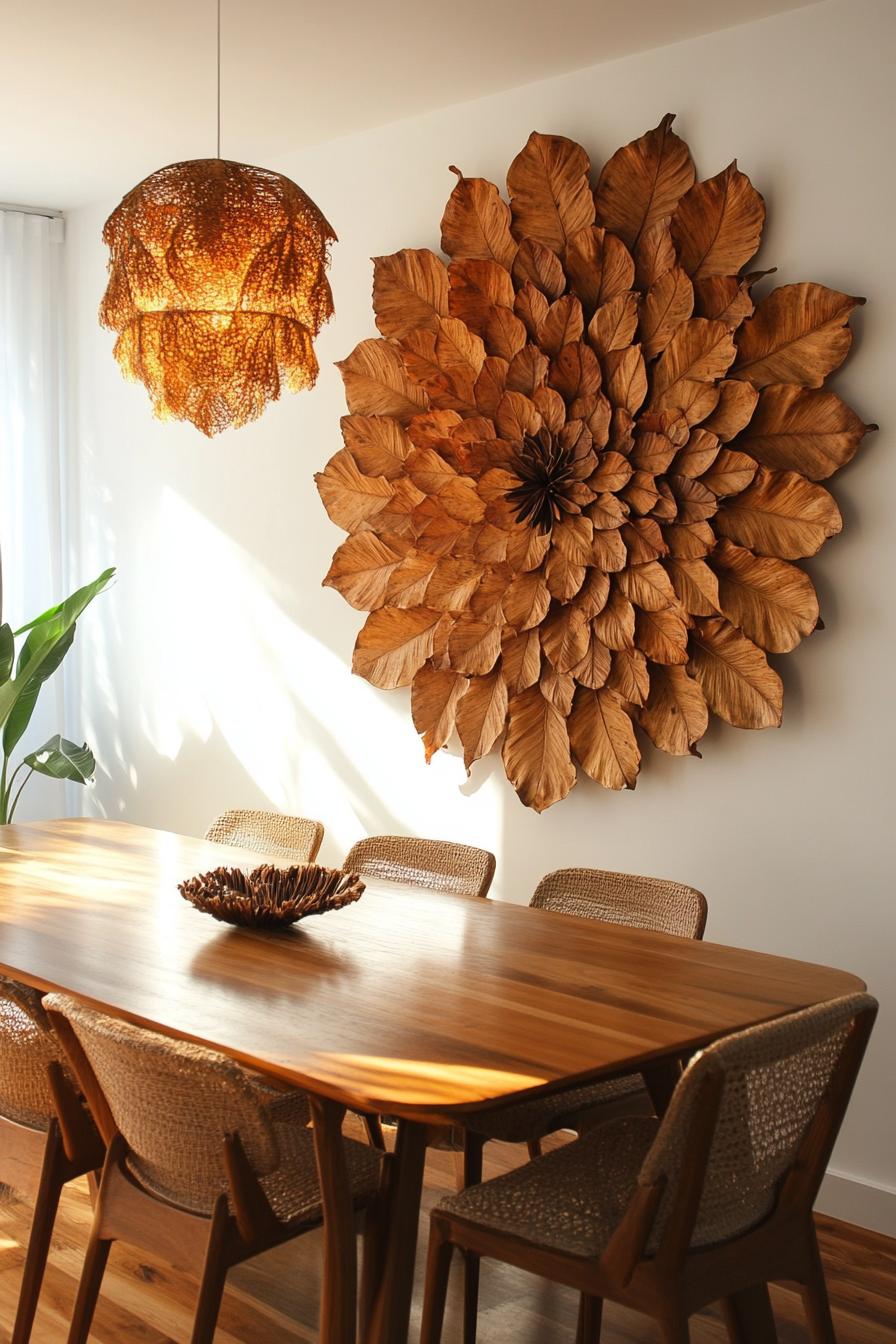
<point x="815" y="1298"/>
<point x="89" y="1288"/>
<point x="375" y="1134"/>
<point x="471" y="1296"/>
<point x="45" y="1207"/>
<point x="211" y="1289"/>
<point x="749" y="1317"/>
<point x="590" y="1315"/>
<point x="674" y="1328"/>
<point x="533" y="1148"/>
<point x="438" y="1266"/>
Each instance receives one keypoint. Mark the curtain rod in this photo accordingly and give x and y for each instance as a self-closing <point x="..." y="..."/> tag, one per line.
<point x="31" y="210"/>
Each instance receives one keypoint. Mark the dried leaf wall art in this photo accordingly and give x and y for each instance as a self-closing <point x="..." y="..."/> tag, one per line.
<point x="581" y="462"/>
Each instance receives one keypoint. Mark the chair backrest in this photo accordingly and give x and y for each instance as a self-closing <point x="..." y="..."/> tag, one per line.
<point x="296" y="839"/>
<point x="624" y="898"/>
<point x="173" y="1103"/>
<point x="28" y="1045"/>
<point x="439" y="865"/>
<point x="769" y="1083"/>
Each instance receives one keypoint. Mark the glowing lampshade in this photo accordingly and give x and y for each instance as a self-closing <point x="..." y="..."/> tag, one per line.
<point x="217" y="288"/>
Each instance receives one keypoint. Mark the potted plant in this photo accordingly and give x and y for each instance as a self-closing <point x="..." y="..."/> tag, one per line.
<point x="48" y="639"/>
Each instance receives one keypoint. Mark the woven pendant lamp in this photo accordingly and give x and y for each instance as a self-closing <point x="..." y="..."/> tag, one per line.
<point x="217" y="288"/>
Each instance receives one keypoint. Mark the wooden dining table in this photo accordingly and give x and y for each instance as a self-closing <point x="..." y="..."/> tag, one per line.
<point x="411" y="1003"/>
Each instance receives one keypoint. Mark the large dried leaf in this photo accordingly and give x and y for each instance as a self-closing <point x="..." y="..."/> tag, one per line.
<point x="730" y="473"/>
<point x="603" y="739"/>
<point x="780" y="514"/>
<point x="409" y="580"/>
<point x="476" y="288"/>
<point x="647" y="586"/>
<point x="726" y="298"/>
<point x="798" y="334"/>
<point x="520" y="661"/>
<point x="536" y="263"/>
<point x="801" y="429"/>
<point x="565" y="636"/>
<point x="696" y="586"/>
<point x="505" y="334"/>
<point x="594" y="668"/>
<point x="349" y="497"/>
<point x="675" y="715"/>
<point x="550" y="197"/>
<point x="376" y="382"/>
<point x="734" y="676"/>
<point x="476" y="222"/>
<point x="474" y="645"/>
<point x="393" y="645"/>
<point x="614" y="324"/>
<point x="772" y="602"/>
<point x="536" y="750"/>
<point x="526" y="601"/>
<point x="575" y="372"/>
<point x="481" y="716"/>
<point x="446" y="361"/>
<point x="717" y="225"/>
<point x="666" y="305"/>
<point x="563" y="323"/>
<point x="599" y="266"/>
<point x="733" y="412"/>
<point x="527" y="370"/>
<point x="615" y="625"/>
<point x="654" y="254"/>
<point x="453" y="583"/>
<point x="361" y="569"/>
<point x="435" y="695"/>
<point x="700" y="351"/>
<point x="643" y="182"/>
<point x="436" y="477"/>
<point x="662" y="636"/>
<point x="629" y="676"/>
<point x="625" y="378"/>
<point x="377" y="443"/>
<point x="410" y="289"/>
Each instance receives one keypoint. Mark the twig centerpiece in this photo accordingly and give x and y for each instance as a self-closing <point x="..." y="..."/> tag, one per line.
<point x="270" y="896"/>
<point x="581" y="461"/>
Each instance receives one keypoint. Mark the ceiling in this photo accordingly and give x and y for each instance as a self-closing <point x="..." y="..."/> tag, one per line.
<point x="95" y="95"/>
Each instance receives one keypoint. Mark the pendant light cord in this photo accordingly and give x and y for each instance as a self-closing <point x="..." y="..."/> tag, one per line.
<point x="219" y="79"/>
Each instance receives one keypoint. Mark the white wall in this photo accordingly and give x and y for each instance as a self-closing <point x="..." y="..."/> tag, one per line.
<point x="216" y="673"/>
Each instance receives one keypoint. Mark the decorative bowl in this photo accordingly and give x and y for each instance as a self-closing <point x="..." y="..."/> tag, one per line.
<point x="270" y="896"/>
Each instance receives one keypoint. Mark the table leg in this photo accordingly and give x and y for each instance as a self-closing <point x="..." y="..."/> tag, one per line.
<point x="660" y="1080"/>
<point x="394" y="1283"/>
<point x="338" y="1307"/>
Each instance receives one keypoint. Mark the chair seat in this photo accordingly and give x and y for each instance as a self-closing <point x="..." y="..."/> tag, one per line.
<point x="534" y="1119"/>
<point x="569" y="1201"/>
<point x="293" y="1189"/>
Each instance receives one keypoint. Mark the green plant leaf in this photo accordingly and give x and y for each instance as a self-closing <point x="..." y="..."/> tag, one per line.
<point x="49" y="639"/>
<point x="7" y="652"/>
<point x="23" y="708"/>
<point x="61" y="759"/>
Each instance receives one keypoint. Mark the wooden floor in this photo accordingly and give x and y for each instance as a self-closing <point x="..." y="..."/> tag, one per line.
<point x="273" y="1300"/>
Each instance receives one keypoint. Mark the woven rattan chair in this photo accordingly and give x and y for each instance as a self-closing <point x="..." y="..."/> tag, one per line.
<point x="294" y="839"/>
<point x="438" y="865"/>
<point x="708" y="1204"/>
<point x="207" y="1164"/>
<point x="616" y="898"/>
<point x="46" y="1136"/>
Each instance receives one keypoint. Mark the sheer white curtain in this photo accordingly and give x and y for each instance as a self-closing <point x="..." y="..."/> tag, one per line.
<point x="31" y="536"/>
